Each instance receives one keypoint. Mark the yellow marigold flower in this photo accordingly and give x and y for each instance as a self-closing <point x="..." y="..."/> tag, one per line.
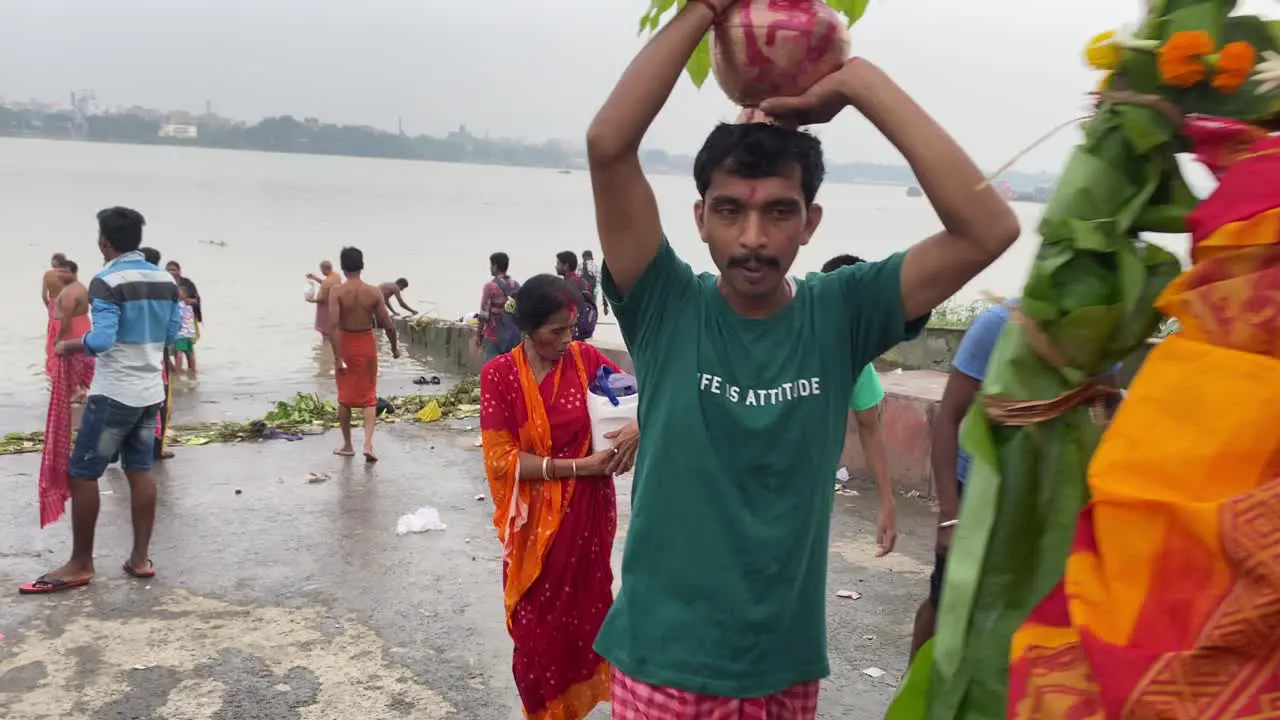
<point x="1103" y="52"/>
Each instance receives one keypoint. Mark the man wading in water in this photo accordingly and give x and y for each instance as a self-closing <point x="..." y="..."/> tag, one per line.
<point x="393" y="290"/>
<point x="50" y="285"/>
<point x="749" y="378"/>
<point x="355" y="308"/>
<point x="72" y="314"/>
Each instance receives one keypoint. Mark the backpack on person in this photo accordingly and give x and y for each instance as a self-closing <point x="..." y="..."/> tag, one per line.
<point x="508" y="335"/>
<point x="587" y="314"/>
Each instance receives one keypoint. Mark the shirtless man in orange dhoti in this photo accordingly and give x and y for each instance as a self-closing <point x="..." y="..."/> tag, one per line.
<point x="355" y="307"/>
<point x="50" y="285"/>
<point x="71" y="313"/>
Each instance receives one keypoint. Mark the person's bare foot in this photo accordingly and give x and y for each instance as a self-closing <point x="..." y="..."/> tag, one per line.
<point x="369" y="457"/>
<point x="345" y="451"/>
<point x="72" y="571"/>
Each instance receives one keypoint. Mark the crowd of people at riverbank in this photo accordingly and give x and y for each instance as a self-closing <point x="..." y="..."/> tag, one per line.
<point x="750" y="381"/>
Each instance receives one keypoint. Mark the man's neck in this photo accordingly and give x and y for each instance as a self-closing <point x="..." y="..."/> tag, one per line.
<point x="756" y="307"/>
<point x="353" y="276"/>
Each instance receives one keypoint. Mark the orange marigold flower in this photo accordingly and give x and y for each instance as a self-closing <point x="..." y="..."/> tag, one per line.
<point x="1235" y="62"/>
<point x="1181" y="59"/>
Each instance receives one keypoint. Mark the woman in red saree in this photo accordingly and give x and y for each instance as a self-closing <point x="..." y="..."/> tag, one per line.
<point x="555" y="507"/>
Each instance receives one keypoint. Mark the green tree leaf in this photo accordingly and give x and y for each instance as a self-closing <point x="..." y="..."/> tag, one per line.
<point x="853" y="10"/>
<point x="699" y="66"/>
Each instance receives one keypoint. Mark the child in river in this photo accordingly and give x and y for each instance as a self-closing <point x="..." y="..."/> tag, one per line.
<point x="188" y="334"/>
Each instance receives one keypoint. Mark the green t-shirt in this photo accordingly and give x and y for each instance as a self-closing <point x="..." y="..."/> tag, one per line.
<point x="724" y="571"/>
<point x="867" y="392"/>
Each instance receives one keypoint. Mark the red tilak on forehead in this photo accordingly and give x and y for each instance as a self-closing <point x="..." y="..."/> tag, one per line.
<point x="752" y="191"/>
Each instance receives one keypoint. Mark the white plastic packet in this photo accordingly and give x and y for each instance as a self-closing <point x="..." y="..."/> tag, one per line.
<point x="423" y="519"/>
<point x="309" y="292"/>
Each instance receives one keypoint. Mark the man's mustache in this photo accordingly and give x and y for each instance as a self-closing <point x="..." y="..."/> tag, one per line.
<point x="757" y="258"/>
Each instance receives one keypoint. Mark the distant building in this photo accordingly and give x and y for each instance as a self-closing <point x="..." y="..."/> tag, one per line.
<point x="180" y="132"/>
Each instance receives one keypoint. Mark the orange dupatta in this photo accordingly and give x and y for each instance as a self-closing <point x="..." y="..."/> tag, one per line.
<point x="527" y="514"/>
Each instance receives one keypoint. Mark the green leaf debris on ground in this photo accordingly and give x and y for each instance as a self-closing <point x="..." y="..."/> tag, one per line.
<point x="304" y="413"/>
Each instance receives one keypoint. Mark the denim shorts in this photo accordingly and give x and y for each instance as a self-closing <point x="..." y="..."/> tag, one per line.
<point x="108" y="428"/>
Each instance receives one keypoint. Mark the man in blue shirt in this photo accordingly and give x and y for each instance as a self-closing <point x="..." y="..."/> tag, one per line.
<point x="134" y="305"/>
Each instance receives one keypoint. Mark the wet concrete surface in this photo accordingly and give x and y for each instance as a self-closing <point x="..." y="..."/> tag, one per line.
<point x="296" y="599"/>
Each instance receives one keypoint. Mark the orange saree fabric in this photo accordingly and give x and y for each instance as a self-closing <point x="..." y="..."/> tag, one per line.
<point x="1170" y="604"/>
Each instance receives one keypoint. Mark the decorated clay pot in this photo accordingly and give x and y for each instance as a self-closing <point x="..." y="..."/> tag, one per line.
<point x="776" y="48"/>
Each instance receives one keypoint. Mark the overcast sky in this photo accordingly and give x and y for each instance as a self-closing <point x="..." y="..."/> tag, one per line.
<point x="996" y="73"/>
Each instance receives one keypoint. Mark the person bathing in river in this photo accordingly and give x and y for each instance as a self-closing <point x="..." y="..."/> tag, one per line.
<point x="327" y="280"/>
<point x="72" y="314"/>
<point x="185" y="283"/>
<point x="188" y="333"/>
<point x="722" y="610"/>
<point x="554" y="504"/>
<point x="392" y="290"/>
<point x="50" y="285"/>
<point x="355" y="309"/>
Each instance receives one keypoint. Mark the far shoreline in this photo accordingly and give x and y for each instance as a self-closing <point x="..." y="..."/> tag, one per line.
<point x="674" y="172"/>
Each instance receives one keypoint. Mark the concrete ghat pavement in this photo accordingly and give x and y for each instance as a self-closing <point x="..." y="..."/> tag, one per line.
<point x="296" y="600"/>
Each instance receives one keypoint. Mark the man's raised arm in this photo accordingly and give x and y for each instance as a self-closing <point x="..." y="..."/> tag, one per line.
<point x="978" y="224"/>
<point x="626" y="211"/>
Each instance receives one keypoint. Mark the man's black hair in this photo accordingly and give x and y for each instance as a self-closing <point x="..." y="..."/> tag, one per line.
<point x="840" y="261"/>
<point x="499" y="261"/>
<point x="568" y="259"/>
<point x="175" y="264"/>
<point x="58" y="259"/>
<point x="760" y="150"/>
<point x="402" y="283"/>
<point x="351" y="260"/>
<point x="151" y="255"/>
<point x="588" y="255"/>
<point x="122" y="227"/>
<point x="71" y="265"/>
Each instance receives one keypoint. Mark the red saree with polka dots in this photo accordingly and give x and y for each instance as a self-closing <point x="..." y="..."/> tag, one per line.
<point x="557" y="535"/>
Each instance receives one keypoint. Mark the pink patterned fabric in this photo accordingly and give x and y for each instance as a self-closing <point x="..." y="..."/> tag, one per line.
<point x="50" y="338"/>
<point x="70" y="374"/>
<point x="635" y="700"/>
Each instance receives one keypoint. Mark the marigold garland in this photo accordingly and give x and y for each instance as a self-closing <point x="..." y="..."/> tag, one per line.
<point x="1181" y="59"/>
<point x="1235" y="62"/>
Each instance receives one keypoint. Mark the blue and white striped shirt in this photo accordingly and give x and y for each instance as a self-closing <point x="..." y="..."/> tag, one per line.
<point x="136" y="313"/>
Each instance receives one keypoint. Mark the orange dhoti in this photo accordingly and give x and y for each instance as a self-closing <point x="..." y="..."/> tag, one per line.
<point x="358" y="386"/>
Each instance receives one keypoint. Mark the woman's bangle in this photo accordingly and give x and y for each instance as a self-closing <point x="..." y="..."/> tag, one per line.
<point x="948" y="523"/>
<point x="545" y="476"/>
<point x="575" y="468"/>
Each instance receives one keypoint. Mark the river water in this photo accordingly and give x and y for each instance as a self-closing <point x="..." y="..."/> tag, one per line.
<point x="247" y="227"/>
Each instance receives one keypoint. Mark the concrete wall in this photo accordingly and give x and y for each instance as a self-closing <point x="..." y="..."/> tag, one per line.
<point x="913" y="374"/>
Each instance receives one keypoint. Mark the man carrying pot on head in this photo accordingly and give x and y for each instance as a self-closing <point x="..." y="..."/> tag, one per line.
<point x="743" y="432"/>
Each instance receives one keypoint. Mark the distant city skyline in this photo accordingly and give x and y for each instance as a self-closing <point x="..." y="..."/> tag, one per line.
<point x="1023" y="178"/>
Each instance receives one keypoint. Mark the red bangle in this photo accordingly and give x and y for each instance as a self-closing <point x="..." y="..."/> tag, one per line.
<point x="708" y="4"/>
